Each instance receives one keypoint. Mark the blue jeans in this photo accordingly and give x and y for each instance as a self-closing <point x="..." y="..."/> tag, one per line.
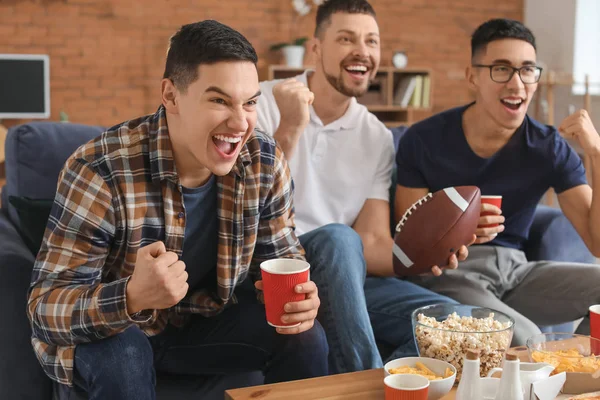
<point x="237" y="340"/>
<point x="366" y="319"/>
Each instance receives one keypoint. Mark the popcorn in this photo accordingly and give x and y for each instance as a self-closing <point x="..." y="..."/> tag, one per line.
<point x="450" y="339"/>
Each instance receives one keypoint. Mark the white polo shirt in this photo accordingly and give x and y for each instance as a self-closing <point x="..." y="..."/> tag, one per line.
<point x="336" y="167"/>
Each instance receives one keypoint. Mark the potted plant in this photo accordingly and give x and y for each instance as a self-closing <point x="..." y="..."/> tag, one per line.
<point x="293" y="52"/>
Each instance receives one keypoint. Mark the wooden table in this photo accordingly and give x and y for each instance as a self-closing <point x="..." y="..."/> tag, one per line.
<point x="364" y="385"/>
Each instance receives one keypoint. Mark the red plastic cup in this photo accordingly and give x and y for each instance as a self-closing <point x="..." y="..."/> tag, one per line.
<point x="280" y="276"/>
<point x="494" y="200"/>
<point x="406" y="387"/>
<point x="595" y="328"/>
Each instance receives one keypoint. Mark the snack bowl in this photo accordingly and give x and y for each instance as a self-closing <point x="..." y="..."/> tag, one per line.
<point x="447" y="331"/>
<point x="567" y="352"/>
<point x="438" y="388"/>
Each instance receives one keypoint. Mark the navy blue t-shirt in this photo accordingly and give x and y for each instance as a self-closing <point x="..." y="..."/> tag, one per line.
<point x="200" y="240"/>
<point x="435" y="154"/>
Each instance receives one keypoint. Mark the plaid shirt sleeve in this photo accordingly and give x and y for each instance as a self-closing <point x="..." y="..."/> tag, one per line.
<point x="276" y="237"/>
<point x="67" y="303"/>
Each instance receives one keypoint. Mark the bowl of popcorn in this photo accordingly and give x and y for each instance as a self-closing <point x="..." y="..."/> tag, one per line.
<point x="441" y="374"/>
<point x="446" y="331"/>
<point x="567" y="352"/>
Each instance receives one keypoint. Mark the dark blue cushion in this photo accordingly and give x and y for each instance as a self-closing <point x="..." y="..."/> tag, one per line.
<point x="35" y="154"/>
<point x="33" y="218"/>
<point x="397" y="133"/>
<point x="553" y="237"/>
<point x="21" y="376"/>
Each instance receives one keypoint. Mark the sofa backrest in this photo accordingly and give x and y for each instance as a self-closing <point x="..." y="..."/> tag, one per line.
<point x="35" y="154"/>
<point x="397" y="133"/>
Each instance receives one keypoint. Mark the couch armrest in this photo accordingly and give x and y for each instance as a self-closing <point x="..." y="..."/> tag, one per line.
<point x="552" y="237"/>
<point x="21" y="376"/>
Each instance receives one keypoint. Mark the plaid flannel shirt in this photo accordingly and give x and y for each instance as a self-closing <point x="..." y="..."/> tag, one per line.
<point x="120" y="192"/>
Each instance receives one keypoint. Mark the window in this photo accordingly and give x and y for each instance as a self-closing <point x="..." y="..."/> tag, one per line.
<point x="586" y="58"/>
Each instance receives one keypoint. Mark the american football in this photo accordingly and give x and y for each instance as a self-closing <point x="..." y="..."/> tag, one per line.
<point x="434" y="228"/>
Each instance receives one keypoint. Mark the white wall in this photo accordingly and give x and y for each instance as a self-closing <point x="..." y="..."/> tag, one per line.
<point x="553" y="24"/>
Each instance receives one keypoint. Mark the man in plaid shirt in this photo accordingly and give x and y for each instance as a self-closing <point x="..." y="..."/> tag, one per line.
<point x="157" y="232"/>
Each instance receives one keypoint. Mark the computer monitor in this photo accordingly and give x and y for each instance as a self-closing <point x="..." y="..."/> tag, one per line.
<point x="24" y="86"/>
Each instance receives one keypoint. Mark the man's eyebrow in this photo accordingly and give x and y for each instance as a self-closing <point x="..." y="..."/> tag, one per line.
<point x="354" y="33"/>
<point x="216" y="90"/>
<point x="505" y="61"/>
<point x="222" y="92"/>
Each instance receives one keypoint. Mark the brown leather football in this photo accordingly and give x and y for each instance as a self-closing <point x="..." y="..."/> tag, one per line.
<point x="434" y="228"/>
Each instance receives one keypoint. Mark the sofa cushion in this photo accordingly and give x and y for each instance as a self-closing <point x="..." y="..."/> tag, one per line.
<point x="33" y="218"/>
<point x="35" y="154"/>
<point x="553" y="237"/>
<point x="21" y="376"/>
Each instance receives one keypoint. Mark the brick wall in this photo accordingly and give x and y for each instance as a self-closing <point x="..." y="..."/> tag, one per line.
<point x="107" y="56"/>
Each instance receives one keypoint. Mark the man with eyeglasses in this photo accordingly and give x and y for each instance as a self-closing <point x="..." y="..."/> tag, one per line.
<point x="493" y="144"/>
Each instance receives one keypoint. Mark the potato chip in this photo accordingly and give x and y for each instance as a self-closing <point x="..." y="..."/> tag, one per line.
<point x="570" y="360"/>
<point x="420" y="369"/>
<point x="448" y="373"/>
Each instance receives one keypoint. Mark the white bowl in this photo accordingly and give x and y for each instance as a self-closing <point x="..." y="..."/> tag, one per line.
<point x="438" y="388"/>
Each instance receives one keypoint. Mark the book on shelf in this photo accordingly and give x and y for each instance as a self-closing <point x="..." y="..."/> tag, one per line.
<point x="426" y="91"/>
<point x="416" y="99"/>
<point x="404" y="90"/>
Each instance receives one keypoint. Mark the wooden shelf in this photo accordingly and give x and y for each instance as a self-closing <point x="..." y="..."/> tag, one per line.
<point x="386" y="92"/>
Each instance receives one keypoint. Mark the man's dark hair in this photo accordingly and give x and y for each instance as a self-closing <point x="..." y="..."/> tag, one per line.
<point x="205" y="42"/>
<point x="497" y="29"/>
<point x="330" y="7"/>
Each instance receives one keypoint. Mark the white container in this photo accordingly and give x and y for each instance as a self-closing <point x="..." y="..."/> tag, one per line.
<point x="469" y="387"/>
<point x="294" y="56"/>
<point x="529" y="373"/>
<point x="510" y="387"/>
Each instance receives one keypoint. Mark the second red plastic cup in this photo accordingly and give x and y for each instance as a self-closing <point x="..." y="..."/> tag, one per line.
<point x="280" y="278"/>
<point x="406" y="387"/>
<point x="494" y="200"/>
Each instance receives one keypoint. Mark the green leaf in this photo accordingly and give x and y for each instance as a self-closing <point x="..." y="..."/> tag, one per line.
<point x="278" y="46"/>
<point x="300" y="41"/>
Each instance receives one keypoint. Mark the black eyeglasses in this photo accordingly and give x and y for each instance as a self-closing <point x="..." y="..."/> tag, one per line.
<point x="503" y="73"/>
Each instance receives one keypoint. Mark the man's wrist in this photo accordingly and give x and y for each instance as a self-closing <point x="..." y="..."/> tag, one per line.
<point x="594" y="154"/>
<point x="288" y="131"/>
<point x="132" y="306"/>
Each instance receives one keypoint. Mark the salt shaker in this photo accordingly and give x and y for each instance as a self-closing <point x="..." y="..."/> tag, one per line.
<point x="510" y="387"/>
<point x="469" y="387"/>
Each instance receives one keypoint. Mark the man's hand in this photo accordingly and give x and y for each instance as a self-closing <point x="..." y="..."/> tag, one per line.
<point x="578" y="126"/>
<point x="485" y="235"/>
<point x="293" y="100"/>
<point x="304" y="311"/>
<point x="159" y="280"/>
<point x="461" y="255"/>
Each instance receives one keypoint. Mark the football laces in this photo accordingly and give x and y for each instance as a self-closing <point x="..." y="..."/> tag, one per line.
<point x="410" y="210"/>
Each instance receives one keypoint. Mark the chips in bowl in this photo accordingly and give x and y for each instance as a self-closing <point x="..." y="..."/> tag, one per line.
<point x="565" y="351"/>
<point x="422" y="370"/>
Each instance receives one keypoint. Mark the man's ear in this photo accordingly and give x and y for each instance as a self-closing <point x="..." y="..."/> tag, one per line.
<point x="471" y="77"/>
<point x="315" y="46"/>
<point x="169" y="96"/>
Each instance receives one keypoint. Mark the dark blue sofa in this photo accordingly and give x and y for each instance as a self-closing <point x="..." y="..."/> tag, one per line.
<point x="35" y="153"/>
